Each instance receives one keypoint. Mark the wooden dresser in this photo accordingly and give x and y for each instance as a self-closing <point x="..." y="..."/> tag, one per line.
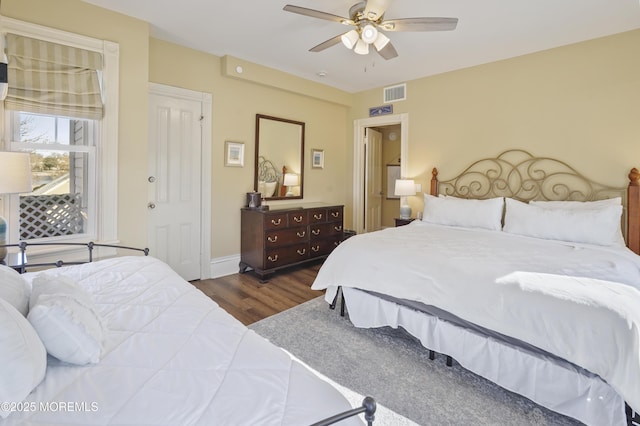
<point x="278" y="238"/>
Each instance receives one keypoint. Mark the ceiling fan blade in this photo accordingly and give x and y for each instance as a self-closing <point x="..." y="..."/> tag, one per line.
<point x="420" y="24"/>
<point x="388" y="51"/>
<point x="318" y="14"/>
<point x="326" y="44"/>
<point x="374" y="9"/>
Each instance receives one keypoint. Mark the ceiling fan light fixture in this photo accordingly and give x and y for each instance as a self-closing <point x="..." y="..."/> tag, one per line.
<point x="350" y="39"/>
<point x="381" y="41"/>
<point x="369" y="33"/>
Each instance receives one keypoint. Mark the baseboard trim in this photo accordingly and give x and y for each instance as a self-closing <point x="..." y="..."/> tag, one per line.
<point x="226" y="265"/>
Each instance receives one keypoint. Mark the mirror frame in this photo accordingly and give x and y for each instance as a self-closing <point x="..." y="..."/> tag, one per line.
<point x="257" y="156"/>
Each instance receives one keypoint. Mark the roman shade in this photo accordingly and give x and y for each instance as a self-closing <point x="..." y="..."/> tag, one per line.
<point x="55" y="79"/>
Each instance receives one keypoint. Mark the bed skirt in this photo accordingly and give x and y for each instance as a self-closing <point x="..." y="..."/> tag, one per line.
<point x="560" y="387"/>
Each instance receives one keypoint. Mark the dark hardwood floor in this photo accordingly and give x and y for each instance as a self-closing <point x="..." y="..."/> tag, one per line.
<point x="244" y="297"/>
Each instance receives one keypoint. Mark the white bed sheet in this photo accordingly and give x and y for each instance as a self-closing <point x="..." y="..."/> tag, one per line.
<point x="457" y="270"/>
<point x="173" y="357"/>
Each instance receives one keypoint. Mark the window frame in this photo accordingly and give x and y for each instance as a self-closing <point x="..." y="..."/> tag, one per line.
<point x="105" y="142"/>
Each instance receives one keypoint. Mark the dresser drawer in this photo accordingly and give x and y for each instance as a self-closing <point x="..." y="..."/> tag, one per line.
<point x="298" y="218"/>
<point x="334" y="214"/>
<point x="317" y="215"/>
<point x="323" y="247"/>
<point x="325" y="230"/>
<point x="275" y="221"/>
<point x="284" y="255"/>
<point x="283" y="237"/>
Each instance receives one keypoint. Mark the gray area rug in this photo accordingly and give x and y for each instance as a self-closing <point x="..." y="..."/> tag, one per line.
<point x="395" y="369"/>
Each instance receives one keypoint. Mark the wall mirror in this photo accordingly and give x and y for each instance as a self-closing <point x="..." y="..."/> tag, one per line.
<point x="279" y="165"/>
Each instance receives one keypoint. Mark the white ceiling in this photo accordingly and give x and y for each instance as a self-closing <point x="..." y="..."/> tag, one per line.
<point x="261" y="32"/>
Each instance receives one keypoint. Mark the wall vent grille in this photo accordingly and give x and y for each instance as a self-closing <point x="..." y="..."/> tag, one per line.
<point x="395" y="93"/>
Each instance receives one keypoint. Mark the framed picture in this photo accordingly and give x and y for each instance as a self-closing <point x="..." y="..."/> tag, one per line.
<point x="234" y="154"/>
<point x="317" y="158"/>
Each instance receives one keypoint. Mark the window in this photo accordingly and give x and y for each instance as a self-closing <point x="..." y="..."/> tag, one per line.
<point x="73" y="156"/>
<point x="62" y="152"/>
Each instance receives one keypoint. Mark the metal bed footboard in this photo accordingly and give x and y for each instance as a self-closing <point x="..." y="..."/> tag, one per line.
<point x="21" y="267"/>
<point x="368" y="408"/>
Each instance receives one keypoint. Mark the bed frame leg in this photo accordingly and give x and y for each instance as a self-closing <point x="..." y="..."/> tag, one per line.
<point x="449" y="361"/>
<point x="432" y="355"/>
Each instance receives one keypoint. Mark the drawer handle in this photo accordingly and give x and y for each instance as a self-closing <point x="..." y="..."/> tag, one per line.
<point x="301" y="234"/>
<point x="335" y="214"/>
<point x="317" y="216"/>
<point x="273" y="259"/>
<point x="301" y="252"/>
<point x="335" y="243"/>
<point x="315" y="248"/>
<point x="315" y="232"/>
<point x="338" y="228"/>
<point x="278" y="222"/>
<point x="272" y="239"/>
<point x="297" y="218"/>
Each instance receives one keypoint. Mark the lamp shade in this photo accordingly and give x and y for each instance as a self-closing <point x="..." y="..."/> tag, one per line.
<point x="350" y="39"/>
<point x="405" y="187"/>
<point x="15" y="172"/>
<point x="361" y="48"/>
<point x="290" y="179"/>
<point x="381" y="41"/>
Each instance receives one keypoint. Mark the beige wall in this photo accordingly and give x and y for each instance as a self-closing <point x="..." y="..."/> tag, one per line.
<point x="579" y="103"/>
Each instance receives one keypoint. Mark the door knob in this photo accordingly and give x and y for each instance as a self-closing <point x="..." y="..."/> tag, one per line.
<point x="152" y="179"/>
<point x="151" y="206"/>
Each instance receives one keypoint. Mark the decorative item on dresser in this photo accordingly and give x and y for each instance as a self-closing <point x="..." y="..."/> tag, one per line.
<point x="279" y="238"/>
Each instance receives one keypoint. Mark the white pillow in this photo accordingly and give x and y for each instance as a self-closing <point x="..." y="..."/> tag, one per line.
<point x="64" y="316"/>
<point x="14" y="289"/>
<point x="23" y="358"/>
<point x="585" y="205"/>
<point x="452" y="211"/>
<point x="592" y="226"/>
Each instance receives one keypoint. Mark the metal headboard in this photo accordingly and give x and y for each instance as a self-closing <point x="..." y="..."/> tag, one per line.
<point x="518" y="174"/>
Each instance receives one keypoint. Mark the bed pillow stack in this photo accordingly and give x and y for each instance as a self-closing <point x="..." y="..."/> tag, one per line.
<point x="596" y="222"/>
<point x="23" y="358"/>
<point x="65" y="317"/>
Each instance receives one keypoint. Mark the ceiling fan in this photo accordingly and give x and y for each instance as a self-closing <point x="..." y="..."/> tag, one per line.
<point x="368" y="19"/>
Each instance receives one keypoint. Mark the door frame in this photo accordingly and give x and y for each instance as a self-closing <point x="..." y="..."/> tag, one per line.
<point x="206" y="100"/>
<point x="359" y="127"/>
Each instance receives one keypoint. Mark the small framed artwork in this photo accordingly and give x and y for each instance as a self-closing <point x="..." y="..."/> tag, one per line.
<point x="234" y="154"/>
<point x="317" y="158"/>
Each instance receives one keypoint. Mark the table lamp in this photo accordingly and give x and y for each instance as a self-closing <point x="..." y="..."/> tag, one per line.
<point x="405" y="188"/>
<point x="15" y="178"/>
<point x="290" y="180"/>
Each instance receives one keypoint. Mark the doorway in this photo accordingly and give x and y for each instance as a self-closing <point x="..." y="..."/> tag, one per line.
<point x="361" y="220"/>
<point x="179" y="179"/>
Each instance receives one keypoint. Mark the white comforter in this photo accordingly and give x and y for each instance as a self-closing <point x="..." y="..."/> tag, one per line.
<point x="174" y="357"/>
<point x="491" y="279"/>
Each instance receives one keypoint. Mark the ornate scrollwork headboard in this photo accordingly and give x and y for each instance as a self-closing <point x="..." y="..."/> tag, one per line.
<point x="520" y="175"/>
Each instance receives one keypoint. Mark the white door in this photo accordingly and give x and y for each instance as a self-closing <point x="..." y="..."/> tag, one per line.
<point x="174" y="197"/>
<point x="373" y="182"/>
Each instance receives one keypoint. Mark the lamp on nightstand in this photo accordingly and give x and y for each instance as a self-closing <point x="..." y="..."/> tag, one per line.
<point x="15" y="178"/>
<point x="405" y="188"/>
<point x="290" y="180"/>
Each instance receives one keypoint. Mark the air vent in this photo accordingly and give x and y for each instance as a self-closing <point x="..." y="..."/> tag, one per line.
<point x="395" y="93"/>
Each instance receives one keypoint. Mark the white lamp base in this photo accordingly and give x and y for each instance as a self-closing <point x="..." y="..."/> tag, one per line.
<point x="405" y="212"/>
